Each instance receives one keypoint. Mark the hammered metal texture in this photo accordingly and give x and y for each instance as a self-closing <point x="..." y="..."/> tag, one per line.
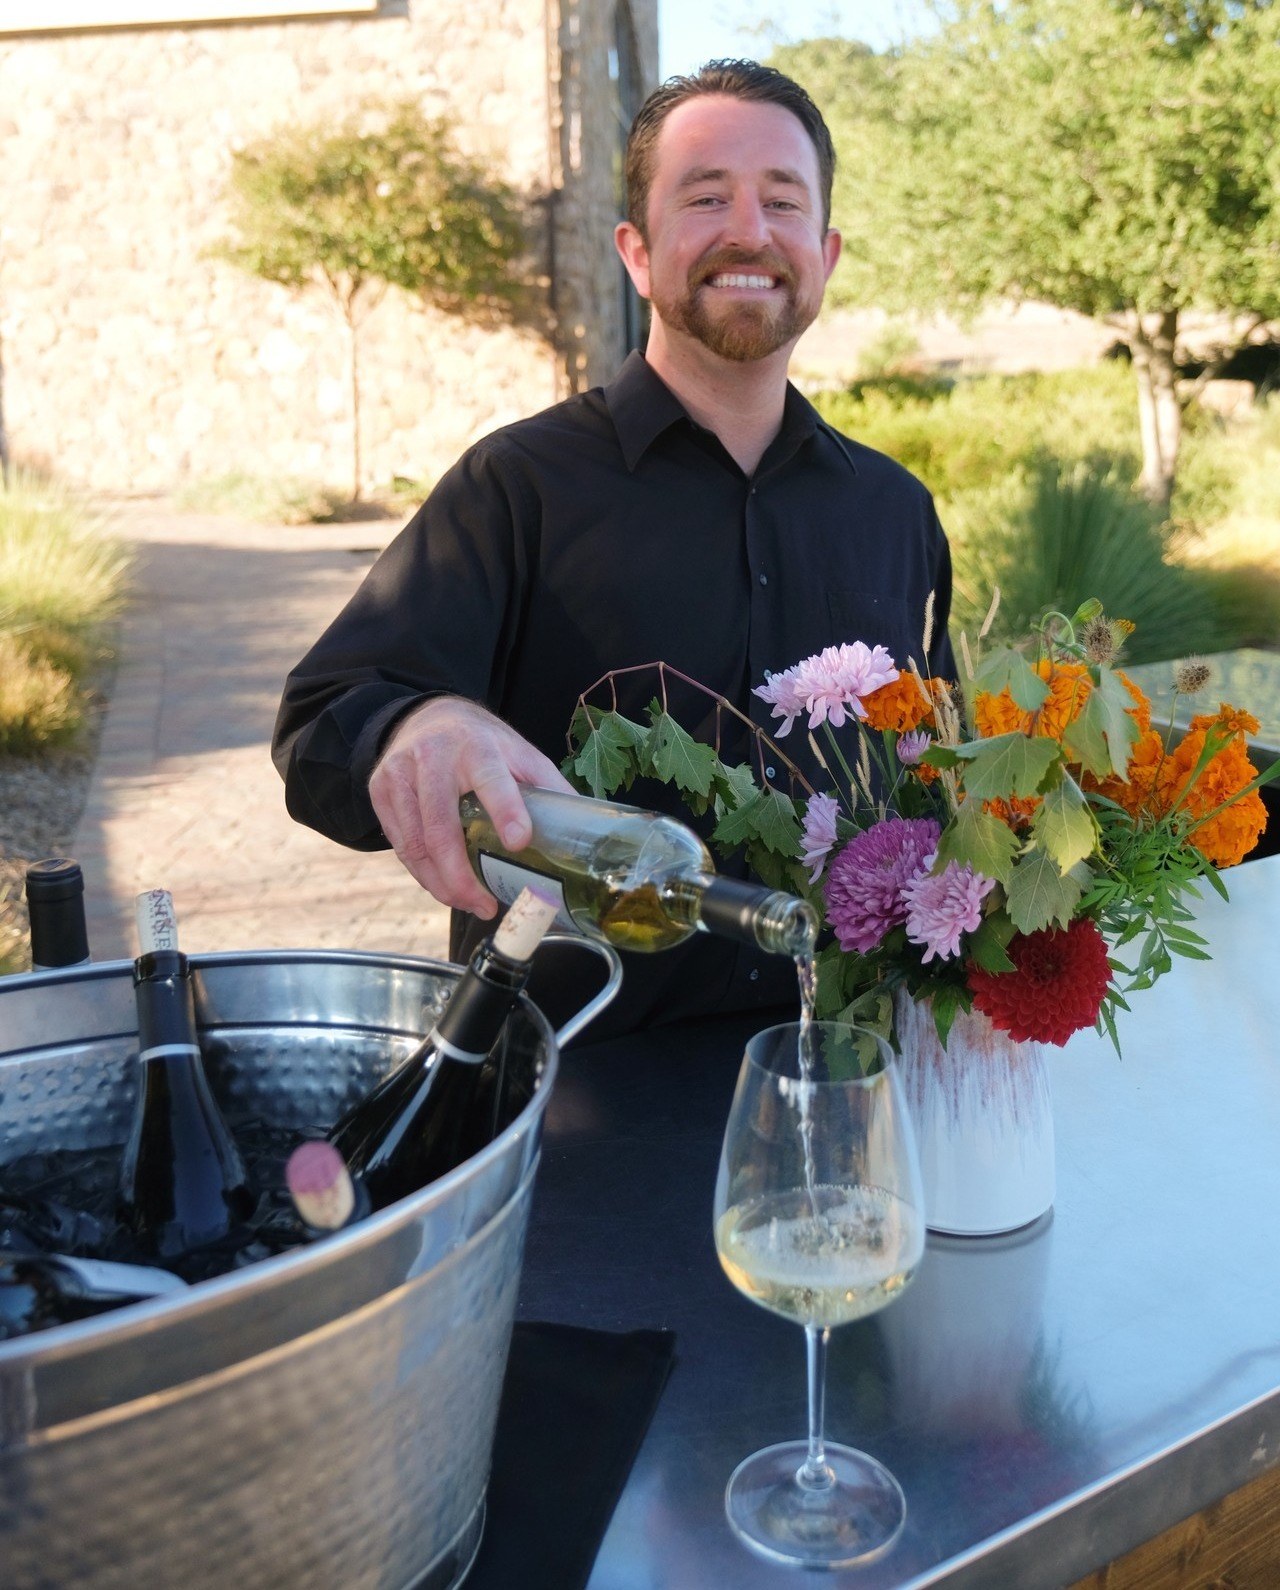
<point x="322" y="1419"/>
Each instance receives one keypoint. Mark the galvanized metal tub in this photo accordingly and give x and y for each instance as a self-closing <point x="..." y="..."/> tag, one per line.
<point x="324" y="1418"/>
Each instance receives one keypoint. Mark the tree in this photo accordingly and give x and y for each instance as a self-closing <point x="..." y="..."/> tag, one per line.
<point x="1114" y="157"/>
<point x="385" y="201"/>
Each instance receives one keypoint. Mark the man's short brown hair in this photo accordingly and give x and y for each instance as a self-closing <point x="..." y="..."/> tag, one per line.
<point x="739" y="80"/>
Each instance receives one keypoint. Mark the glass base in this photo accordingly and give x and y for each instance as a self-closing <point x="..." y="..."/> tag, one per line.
<point x="856" y="1515"/>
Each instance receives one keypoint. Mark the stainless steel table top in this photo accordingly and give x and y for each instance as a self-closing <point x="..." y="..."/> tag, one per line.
<point x="1248" y="678"/>
<point x="1048" y="1400"/>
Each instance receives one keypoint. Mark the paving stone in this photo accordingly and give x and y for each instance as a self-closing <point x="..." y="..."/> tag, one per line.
<point x="184" y="795"/>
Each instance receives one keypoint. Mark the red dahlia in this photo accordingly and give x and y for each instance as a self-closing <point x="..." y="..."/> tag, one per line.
<point x="1057" y="986"/>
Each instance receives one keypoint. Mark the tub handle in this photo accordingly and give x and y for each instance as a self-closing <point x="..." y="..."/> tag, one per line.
<point x="594" y="1006"/>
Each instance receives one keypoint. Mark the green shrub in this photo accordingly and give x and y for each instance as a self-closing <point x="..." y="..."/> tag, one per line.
<point x="61" y="580"/>
<point x="263" y="498"/>
<point x="39" y="704"/>
<point x="966" y="435"/>
<point x="58" y="568"/>
<point x="1066" y="532"/>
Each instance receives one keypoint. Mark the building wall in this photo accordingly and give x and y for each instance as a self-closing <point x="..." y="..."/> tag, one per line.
<point x="134" y="361"/>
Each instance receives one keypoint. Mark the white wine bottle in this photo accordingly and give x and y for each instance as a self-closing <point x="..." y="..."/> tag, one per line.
<point x="636" y="879"/>
<point x="438" y="1107"/>
<point x="182" y="1182"/>
<point x="42" y="1289"/>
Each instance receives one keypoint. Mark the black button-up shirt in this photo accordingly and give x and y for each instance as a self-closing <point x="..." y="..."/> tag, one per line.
<point x="606" y="532"/>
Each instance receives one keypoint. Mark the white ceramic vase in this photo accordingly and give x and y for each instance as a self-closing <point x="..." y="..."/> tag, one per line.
<point x="983" y="1116"/>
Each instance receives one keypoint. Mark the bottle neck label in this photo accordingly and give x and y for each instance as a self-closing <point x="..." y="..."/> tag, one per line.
<point x="470" y="1057"/>
<point x="170" y="1051"/>
<point x="504" y="880"/>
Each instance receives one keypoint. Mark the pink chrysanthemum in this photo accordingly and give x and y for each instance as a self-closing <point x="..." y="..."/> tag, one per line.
<point x="912" y="746"/>
<point x="833" y="683"/>
<point x="779" y="690"/>
<point x="941" y="906"/>
<point x="866" y="879"/>
<point x="819" y="833"/>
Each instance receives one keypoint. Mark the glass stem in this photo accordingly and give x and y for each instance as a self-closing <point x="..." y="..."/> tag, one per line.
<point x="813" y="1474"/>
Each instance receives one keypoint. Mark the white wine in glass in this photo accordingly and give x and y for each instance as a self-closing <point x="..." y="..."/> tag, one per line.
<point x="819" y="1216"/>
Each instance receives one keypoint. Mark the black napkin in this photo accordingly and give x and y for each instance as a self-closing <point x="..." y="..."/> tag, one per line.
<point x="575" y="1406"/>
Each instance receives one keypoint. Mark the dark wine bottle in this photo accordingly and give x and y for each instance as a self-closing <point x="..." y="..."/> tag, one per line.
<point x="420" y="1122"/>
<point x="55" y="910"/>
<point x="42" y="1289"/>
<point x="322" y="1190"/>
<point x="182" y="1181"/>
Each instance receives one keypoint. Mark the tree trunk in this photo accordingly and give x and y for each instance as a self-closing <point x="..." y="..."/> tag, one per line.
<point x="1152" y="340"/>
<point x="353" y="377"/>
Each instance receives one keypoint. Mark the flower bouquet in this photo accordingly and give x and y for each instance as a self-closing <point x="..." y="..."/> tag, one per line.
<point x="1022" y="843"/>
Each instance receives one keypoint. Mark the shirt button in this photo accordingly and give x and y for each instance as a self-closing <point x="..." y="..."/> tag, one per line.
<point x="764" y="579"/>
<point x="754" y="974"/>
<point x="770" y="772"/>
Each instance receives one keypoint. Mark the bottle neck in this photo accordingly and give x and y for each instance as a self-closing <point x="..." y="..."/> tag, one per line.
<point x="479" y="1004"/>
<point x="55" y="908"/>
<point x="772" y="920"/>
<point x="166" y="1005"/>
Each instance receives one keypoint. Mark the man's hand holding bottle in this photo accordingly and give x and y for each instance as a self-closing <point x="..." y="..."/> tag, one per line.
<point x="437" y="754"/>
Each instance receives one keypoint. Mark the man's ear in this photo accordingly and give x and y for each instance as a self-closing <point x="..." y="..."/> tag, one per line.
<point x="634" y="253"/>
<point x="831" y="245"/>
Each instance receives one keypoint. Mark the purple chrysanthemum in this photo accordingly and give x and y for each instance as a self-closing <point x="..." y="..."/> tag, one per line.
<point x="833" y="683"/>
<point x="779" y="690"/>
<point x="819" y="833"/>
<point x="912" y="746"/>
<point x="865" y="882"/>
<point x="943" y="905"/>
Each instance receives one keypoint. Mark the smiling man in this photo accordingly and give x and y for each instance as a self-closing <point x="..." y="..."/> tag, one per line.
<point x="696" y="510"/>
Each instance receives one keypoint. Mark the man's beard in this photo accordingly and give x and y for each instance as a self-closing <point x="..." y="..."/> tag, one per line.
<point x="743" y="331"/>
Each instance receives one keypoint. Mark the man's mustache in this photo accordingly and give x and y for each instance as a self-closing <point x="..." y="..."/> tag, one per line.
<point x="765" y="263"/>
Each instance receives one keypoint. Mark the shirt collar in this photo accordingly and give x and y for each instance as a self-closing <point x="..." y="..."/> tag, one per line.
<point x="642" y="406"/>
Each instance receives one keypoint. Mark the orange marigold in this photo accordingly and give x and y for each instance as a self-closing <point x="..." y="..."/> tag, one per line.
<point x="903" y="705"/>
<point x="1157" y="781"/>
<point x="1069" y="687"/>
<point x="1229" y="837"/>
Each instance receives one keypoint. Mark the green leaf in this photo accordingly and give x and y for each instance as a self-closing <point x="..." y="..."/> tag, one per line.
<point x="604" y="760"/>
<point x="1040" y="895"/>
<point x="1064" y="826"/>
<point x="769" y="817"/>
<point x="987" y="945"/>
<point x="1008" y="764"/>
<point x="977" y="839"/>
<point x="678" y="758"/>
<point x="946" y="1003"/>
<point x="1105" y="717"/>
<point x="1009" y="670"/>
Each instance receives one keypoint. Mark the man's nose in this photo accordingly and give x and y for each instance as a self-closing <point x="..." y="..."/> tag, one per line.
<point x="747" y="223"/>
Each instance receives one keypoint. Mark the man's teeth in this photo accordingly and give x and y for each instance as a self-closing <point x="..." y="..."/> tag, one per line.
<point x="738" y="279"/>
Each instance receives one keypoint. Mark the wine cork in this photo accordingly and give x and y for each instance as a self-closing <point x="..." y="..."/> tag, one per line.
<point x="521" y="931"/>
<point x="157" y="924"/>
<point x="320" y="1186"/>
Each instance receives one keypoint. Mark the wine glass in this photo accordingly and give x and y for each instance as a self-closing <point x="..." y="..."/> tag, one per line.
<point x="819" y="1216"/>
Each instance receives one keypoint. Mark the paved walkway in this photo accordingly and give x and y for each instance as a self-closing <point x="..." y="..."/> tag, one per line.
<point x="184" y="795"/>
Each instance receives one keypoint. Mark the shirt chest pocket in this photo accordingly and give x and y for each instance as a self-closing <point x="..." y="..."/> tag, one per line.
<point x="877" y="620"/>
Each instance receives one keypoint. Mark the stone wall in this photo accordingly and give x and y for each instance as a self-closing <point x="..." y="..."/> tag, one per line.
<point x="134" y="361"/>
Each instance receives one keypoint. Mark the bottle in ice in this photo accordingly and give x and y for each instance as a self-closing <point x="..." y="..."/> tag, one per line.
<point x="42" y="1289"/>
<point x="440" y="1105"/>
<point x="182" y="1182"/>
<point x="638" y="880"/>
<point x="55" y="911"/>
